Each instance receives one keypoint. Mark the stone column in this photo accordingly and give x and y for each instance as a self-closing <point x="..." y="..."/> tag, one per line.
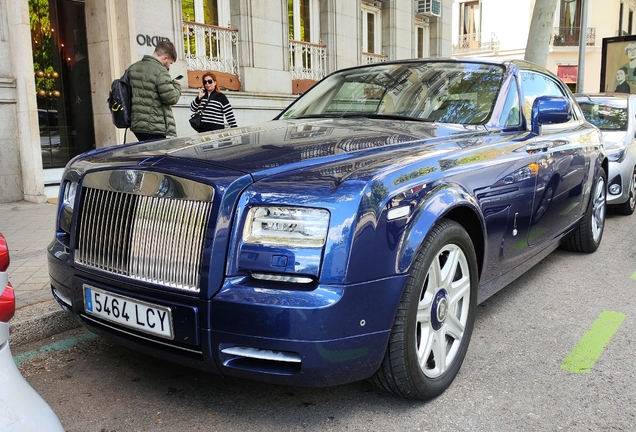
<point x="441" y="32"/>
<point x="340" y="32"/>
<point x="27" y="136"/>
<point x="398" y="27"/>
<point x="110" y="34"/>
<point x="263" y="45"/>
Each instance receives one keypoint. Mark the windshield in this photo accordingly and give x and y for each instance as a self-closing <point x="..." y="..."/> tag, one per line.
<point x="606" y="114"/>
<point x="447" y="92"/>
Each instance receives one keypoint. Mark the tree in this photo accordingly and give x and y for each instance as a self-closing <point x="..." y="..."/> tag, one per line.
<point x="540" y="31"/>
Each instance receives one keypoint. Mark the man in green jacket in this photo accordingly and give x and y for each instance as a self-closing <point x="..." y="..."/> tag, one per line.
<point x="153" y="94"/>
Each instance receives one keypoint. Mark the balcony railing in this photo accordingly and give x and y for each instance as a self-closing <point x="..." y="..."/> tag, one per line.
<point x="569" y="36"/>
<point x="209" y="47"/>
<point x="368" y="58"/>
<point x="307" y="60"/>
<point x="472" y="42"/>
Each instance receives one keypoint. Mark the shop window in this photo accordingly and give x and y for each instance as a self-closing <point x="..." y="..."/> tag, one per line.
<point x="62" y="80"/>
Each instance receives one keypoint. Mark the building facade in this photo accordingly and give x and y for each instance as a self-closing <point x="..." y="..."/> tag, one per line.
<point x="65" y="53"/>
<point x="484" y="28"/>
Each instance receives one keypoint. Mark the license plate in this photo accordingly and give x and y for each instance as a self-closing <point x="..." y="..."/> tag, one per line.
<point x="128" y="312"/>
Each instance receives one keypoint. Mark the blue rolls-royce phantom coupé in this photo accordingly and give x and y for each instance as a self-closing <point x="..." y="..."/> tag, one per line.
<point x="350" y="238"/>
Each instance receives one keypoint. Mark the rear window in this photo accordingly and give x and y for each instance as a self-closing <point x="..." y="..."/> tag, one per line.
<point x="608" y="115"/>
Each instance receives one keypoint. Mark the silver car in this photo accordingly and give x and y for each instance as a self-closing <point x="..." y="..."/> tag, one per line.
<point x="21" y="407"/>
<point x="615" y="115"/>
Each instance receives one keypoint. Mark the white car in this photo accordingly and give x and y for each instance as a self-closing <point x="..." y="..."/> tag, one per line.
<point x="21" y="407"/>
<point x="615" y="115"/>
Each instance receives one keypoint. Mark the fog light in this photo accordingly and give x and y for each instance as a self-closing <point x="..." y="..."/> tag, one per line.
<point x="615" y="189"/>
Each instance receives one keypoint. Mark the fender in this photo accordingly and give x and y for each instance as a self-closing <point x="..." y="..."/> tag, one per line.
<point x="444" y="200"/>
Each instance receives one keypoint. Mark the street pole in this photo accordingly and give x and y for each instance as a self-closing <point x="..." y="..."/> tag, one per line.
<point x="582" y="47"/>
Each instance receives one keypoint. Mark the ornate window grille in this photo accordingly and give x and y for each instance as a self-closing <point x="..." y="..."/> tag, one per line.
<point x="368" y="58"/>
<point x="209" y="47"/>
<point x="307" y="60"/>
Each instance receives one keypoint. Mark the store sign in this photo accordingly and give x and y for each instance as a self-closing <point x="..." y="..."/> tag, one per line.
<point x="568" y="73"/>
<point x="147" y="40"/>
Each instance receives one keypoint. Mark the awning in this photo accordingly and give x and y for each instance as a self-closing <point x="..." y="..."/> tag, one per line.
<point x="568" y="73"/>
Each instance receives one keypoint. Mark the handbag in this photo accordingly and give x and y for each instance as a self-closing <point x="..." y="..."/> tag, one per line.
<point x="195" y="119"/>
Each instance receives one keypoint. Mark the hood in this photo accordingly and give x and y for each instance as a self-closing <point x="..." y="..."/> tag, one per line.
<point x="611" y="138"/>
<point x="283" y="145"/>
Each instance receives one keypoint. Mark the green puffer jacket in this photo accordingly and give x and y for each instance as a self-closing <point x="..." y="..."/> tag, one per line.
<point x="153" y="94"/>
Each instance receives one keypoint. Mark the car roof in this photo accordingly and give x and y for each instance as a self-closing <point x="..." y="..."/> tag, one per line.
<point x="602" y="95"/>
<point x="520" y="64"/>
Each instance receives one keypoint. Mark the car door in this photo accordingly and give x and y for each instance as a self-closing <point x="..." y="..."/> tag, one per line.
<point x="507" y="203"/>
<point x="563" y="164"/>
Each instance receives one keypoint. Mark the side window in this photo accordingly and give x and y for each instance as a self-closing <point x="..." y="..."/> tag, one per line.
<point x="534" y="85"/>
<point x="510" y="115"/>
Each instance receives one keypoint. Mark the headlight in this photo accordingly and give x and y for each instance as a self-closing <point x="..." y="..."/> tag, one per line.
<point x="615" y="151"/>
<point x="66" y="210"/>
<point x="70" y="188"/>
<point x="616" y="154"/>
<point x="286" y="226"/>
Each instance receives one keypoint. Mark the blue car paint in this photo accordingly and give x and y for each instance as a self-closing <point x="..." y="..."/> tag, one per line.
<point x="344" y="318"/>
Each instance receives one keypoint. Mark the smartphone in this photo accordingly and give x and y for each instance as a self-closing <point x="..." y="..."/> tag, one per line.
<point x="178" y="77"/>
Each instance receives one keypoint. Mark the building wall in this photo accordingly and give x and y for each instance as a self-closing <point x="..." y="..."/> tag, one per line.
<point x="10" y="172"/>
<point x="512" y="34"/>
<point x="120" y="32"/>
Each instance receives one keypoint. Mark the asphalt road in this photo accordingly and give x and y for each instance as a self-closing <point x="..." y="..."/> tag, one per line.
<point x="512" y="377"/>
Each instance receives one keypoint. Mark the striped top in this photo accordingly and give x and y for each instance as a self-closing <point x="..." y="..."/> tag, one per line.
<point x="216" y="109"/>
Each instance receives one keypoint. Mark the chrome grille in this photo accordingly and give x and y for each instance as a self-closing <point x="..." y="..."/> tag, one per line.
<point x="140" y="235"/>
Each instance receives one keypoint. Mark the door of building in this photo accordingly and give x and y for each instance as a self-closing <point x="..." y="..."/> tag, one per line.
<point x="62" y="80"/>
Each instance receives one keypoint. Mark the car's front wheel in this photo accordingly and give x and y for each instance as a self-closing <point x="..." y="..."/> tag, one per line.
<point x="435" y="317"/>
<point x="588" y="233"/>
<point x="628" y="207"/>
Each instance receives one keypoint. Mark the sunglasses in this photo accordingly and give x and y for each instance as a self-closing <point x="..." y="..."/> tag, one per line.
<point x="208" y="81"/>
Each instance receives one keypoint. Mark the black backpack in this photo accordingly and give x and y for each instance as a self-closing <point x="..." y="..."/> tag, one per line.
<point x="119" y="101"/>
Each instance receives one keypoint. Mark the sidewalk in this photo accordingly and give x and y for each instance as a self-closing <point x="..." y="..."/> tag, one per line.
<point x="29" y="228"/>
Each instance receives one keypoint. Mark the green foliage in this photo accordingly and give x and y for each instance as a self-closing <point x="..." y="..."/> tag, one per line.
<point x="42" y="43"/>
<point x="187" y="10"/>
<point x="41" y="36"/>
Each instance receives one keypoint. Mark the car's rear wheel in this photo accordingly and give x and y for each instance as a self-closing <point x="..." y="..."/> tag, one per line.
<point x="545" y="202"/>
<point x="435" y="317"/>
<point x="628" y="207"/>
<point x="588" y="233"/>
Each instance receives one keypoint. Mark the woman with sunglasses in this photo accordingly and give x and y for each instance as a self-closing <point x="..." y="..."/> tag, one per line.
<point x="214" y="104"/>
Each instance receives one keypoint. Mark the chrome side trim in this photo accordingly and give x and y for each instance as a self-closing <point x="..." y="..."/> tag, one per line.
<point x="262" y="354"/>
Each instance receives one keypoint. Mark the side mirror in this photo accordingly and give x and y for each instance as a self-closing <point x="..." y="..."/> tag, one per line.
<point x="550" y="110"/>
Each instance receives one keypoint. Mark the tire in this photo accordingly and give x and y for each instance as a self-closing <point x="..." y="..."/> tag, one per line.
<point x="627" y="208"/>
<point x="589" y="232"/>
<point x="435" y="317"/>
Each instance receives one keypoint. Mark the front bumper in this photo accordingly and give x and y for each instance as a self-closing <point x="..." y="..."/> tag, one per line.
<point x="620" y="173"/>
<point x="325" y="336"/>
